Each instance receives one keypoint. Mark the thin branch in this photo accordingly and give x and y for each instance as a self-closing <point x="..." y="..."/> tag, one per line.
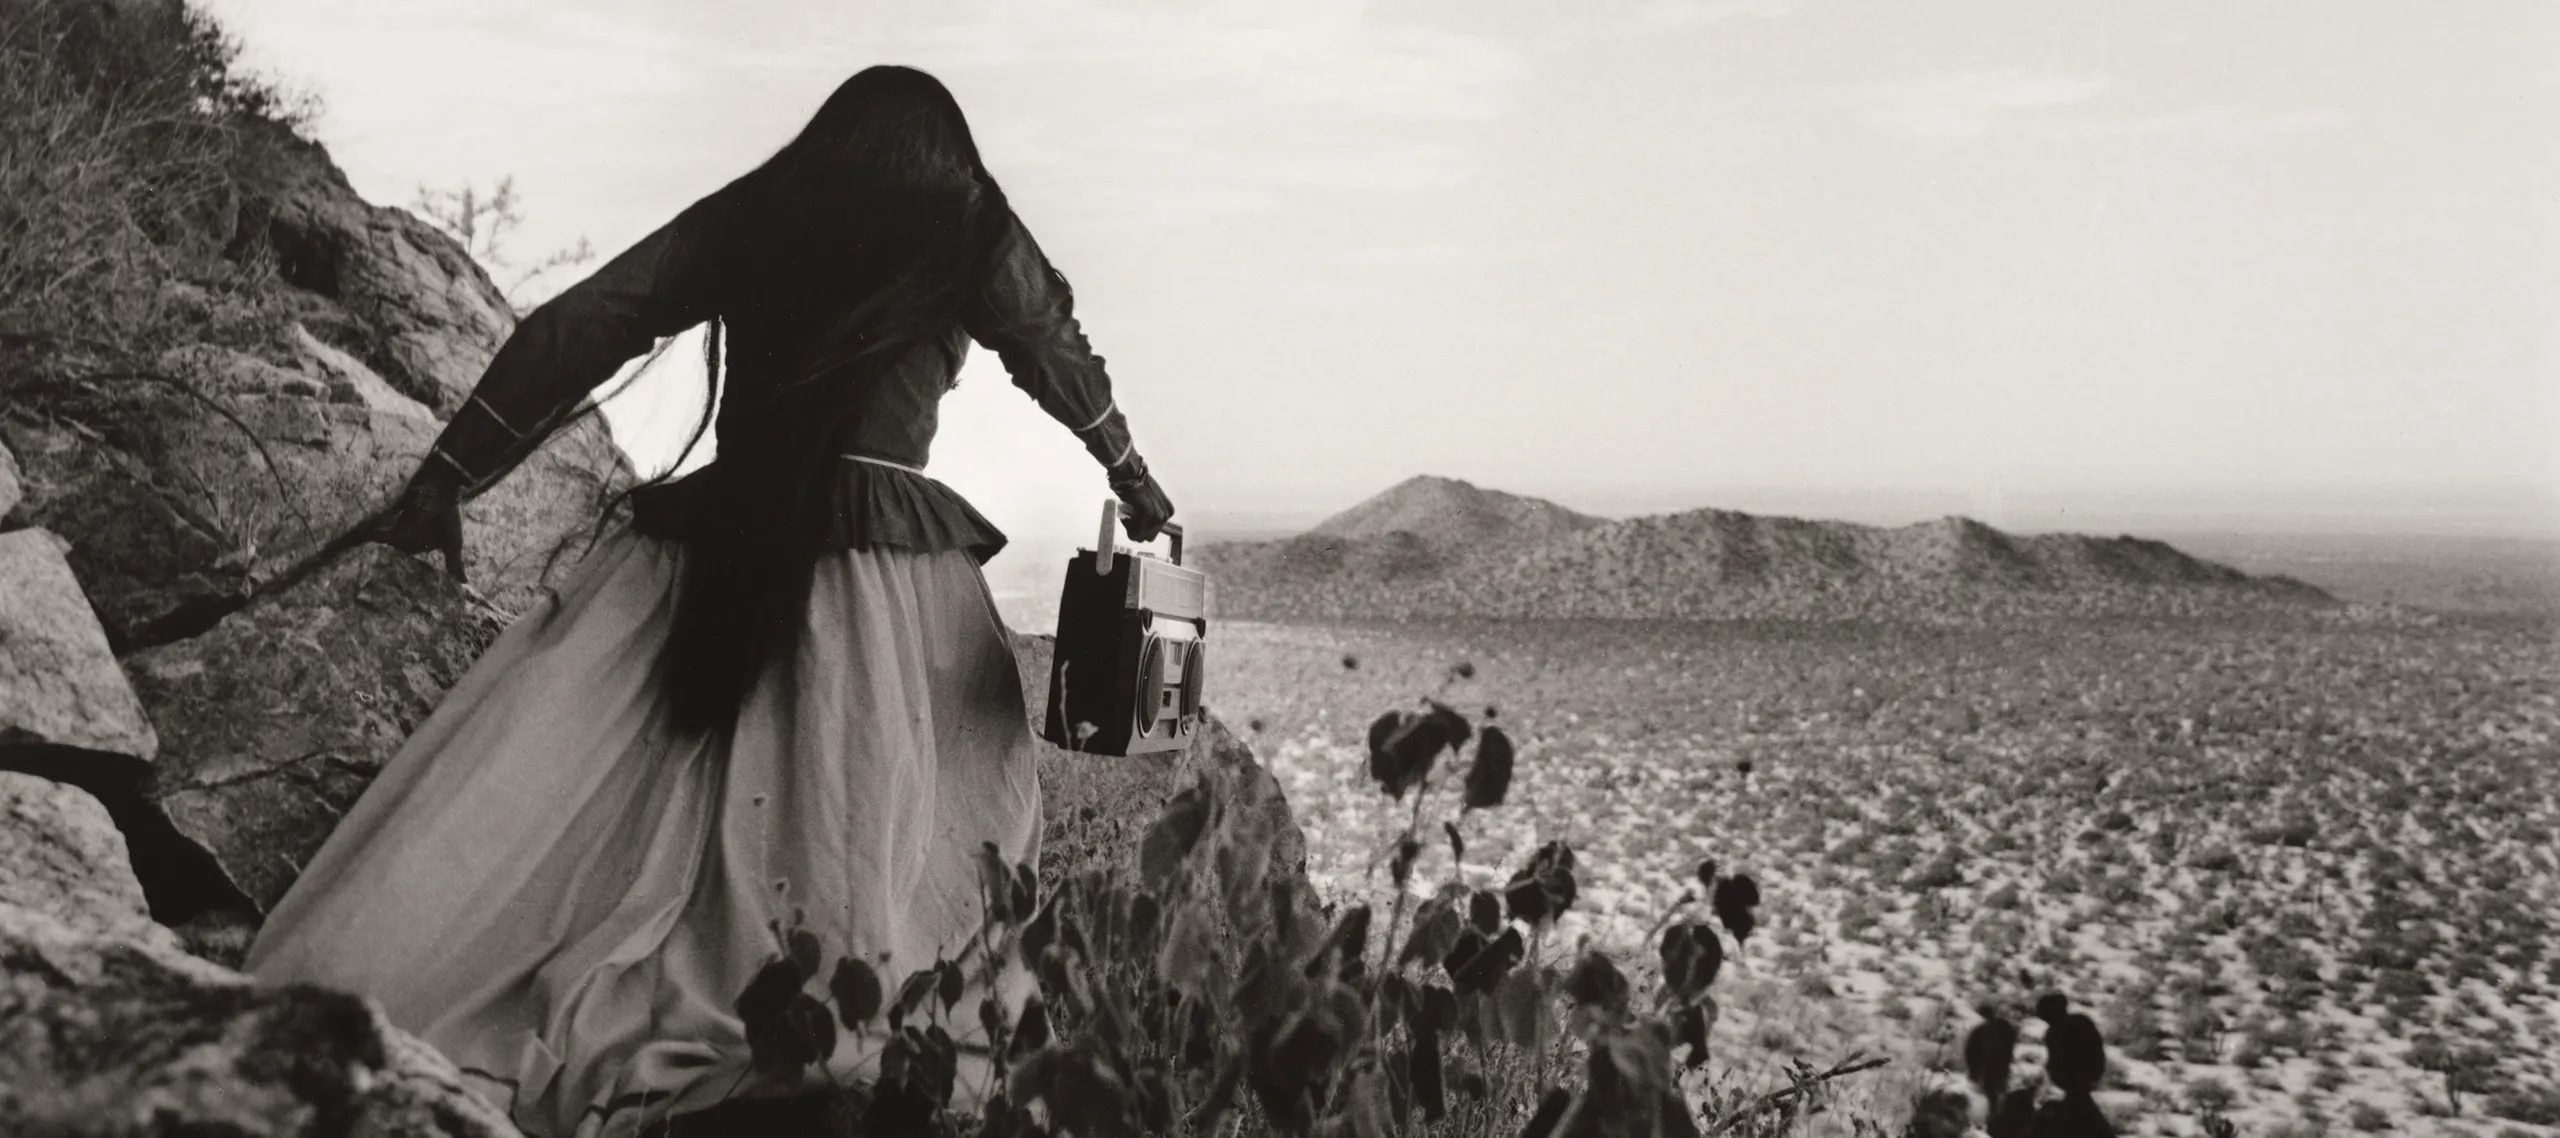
<point x="1780" y="1098"/>
<point x="274" y="468"/>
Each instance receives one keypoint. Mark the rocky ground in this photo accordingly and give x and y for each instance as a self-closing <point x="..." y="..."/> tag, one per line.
<point x="2299" y="868"/>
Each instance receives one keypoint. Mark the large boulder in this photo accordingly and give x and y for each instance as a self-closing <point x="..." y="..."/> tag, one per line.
<point x="68" y="715"/>
<point x="186" y="486"/>
<point x="104" y="1036"/>
<point x="60" y="688"/>
<point x="61" y="855"/>
<point x="187" y="479"/>
<point x="401" y="295"/>
<point x="275" y="720"/>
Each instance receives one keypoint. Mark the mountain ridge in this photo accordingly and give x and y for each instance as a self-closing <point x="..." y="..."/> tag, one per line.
<point x="1441" y="547"/>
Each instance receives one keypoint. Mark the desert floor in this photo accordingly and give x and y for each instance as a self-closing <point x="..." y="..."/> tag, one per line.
<point x="2303" y="869"/>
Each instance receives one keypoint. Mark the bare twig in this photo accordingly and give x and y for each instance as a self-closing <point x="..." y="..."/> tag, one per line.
<point x="1778" y="1099"/>
<point x="274" y="469"/>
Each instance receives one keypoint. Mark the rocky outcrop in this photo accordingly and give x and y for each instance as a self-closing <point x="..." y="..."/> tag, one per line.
<point x="108" y="1037"/>
<point x="66" y="859"/>
<point x="275" y="720"/>
<point x="186" y="485"/>
<point x="60" y="689"/>
<point x="68" y="715"/>
<point x="393" y="290"/>
<point x="187" y="479"/>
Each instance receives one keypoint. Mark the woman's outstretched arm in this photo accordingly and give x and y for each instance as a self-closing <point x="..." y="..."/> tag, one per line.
<point x="562" y="351"/>
<point x="1025" y="311"/>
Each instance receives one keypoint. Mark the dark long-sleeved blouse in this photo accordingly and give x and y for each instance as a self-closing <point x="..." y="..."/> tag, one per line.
<point x="877" y="495"/>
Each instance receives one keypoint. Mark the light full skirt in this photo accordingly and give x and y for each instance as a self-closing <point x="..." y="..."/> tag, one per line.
<point x="566" y="899"/>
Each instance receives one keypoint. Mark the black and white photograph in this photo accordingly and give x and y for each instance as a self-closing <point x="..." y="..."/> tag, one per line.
<point x="1279" y="569"/>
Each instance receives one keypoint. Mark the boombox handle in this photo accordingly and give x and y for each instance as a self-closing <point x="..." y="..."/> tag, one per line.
<point x="1104" y="546"/>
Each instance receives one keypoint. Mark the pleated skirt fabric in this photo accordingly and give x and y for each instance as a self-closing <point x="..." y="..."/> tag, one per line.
<point x="566" y="899"/>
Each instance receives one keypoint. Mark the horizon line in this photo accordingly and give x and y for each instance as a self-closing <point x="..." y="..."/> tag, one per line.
<point x="2520" y="513"/>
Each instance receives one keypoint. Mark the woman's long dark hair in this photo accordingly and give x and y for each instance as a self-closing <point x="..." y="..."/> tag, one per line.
<point x="854" y="244"/>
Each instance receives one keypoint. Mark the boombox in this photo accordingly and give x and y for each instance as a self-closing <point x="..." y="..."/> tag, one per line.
<point x="1130" y="666"/>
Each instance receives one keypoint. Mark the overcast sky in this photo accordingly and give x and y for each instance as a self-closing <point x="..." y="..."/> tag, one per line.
<point x="2048" y="264"/>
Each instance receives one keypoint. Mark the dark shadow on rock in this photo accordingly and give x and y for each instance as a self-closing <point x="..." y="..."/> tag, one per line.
<point x="179" y="879"/>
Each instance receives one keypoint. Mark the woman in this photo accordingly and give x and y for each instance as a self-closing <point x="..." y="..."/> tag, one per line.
<point x="782" y="695"/>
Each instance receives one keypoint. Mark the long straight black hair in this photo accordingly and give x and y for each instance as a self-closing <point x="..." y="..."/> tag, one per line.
<point x="855" y="243"/>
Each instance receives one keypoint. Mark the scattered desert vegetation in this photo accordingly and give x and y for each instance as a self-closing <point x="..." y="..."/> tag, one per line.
<point x="2297" y="867"/>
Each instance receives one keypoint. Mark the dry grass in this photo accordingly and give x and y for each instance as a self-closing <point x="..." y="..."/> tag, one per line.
<point x="121" y="126"/>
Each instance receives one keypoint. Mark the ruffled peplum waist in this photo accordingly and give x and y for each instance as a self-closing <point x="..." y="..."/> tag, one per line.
<point x="866" y="504"/>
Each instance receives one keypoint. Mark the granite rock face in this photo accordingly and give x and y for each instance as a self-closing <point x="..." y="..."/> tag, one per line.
<point x="60" y="689"/>
<point x="104" y="1036"/>
<point x="61" y="855"/>
<point x="187" y="479"/>
<point x="276" y="719"/>
<point x="68" y="715"/>
<point x="186" y="487"/>
<point x="401" y="295"/>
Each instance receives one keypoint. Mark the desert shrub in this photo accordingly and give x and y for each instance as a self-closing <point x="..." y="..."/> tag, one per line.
<point x="2216" y="861"/>
<point x="2137" y="1033"/>
<point x="122" y="126"/>
<point x="2402" y="984"/>
<point x="1859" y="917"/>
<point x="2210" y="1094"/>
<point x="1941" y="872"/>
<point x="2200" y="1028"/>
<point x="2368" y="1118"/>
<point x="1850" y="850"/>
<point x="2287" y="1034"/>
<point x="2538" y="1106"/>
<point x="2293" y="832"/>
<point x="2122" y="889"/>
<point x="2249" y="1051"/>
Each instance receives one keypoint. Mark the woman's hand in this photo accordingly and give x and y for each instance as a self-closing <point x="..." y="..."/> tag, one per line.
<point x="428" y="517"/>
<point x="1144" y="509"/>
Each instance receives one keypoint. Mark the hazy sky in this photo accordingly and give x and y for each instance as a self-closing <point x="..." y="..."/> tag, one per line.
<point x="2043" y="263"/>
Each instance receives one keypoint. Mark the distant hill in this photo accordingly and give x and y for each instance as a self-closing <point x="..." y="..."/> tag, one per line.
<point x="1441" y="547"/>
<point x="1447" y="514"/>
